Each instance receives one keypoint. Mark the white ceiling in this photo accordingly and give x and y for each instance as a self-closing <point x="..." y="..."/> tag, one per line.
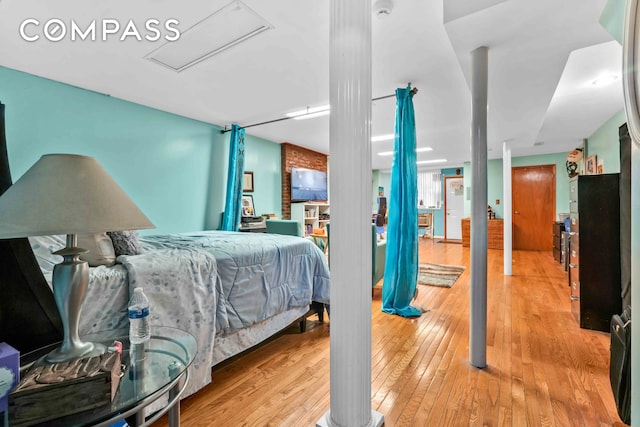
<point x="543" y="57"/>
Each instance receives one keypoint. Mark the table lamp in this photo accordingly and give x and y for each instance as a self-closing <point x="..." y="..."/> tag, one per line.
<point x="68" y="194"/>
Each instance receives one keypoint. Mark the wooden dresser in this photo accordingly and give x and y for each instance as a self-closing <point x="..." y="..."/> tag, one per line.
<point x="495" y="233"/>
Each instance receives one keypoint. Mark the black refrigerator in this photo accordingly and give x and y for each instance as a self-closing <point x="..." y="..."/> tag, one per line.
<point x="594" y="263"/>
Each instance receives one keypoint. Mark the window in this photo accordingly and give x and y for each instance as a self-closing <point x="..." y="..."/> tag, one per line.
<point x="430" y="189"/>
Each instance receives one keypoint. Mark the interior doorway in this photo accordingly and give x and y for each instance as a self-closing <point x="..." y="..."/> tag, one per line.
<point x="453" y="206"/>
<point x="534" y="206"/>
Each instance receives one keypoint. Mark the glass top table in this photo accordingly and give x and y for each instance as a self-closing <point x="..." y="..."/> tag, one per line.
<point x="167" y="356"/>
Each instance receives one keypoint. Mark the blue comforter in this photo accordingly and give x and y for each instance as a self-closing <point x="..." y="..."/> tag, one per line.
<point x="258" y="275"/>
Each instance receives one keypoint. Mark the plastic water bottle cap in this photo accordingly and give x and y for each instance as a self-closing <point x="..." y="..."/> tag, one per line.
<point x="137" y="289"/>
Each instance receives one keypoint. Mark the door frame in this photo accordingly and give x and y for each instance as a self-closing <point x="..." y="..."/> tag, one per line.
<point x="444" y="211"/>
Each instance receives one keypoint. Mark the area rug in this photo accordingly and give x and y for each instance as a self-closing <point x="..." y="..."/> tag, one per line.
<point x="439" y="275"/>
<point x="454" y="241"/>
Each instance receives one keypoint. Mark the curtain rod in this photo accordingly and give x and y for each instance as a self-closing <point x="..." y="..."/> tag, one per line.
<point x="225" y="130"/>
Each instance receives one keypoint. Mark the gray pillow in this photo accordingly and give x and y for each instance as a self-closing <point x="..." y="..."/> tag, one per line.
<point x="126" y="242"/>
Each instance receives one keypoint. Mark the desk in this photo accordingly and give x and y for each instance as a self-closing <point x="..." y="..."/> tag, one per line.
<point x="167" y="357"/>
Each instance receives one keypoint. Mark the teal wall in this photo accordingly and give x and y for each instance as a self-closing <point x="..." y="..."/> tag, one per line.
<point x="605" y="145"/>
<point x="174" y="168"/>
<point x="262" y="157"/>
<point x="494" y="181"/>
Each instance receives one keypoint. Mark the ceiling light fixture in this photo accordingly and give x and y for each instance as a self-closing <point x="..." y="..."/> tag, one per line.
<point x="418" y="150"/>
<point x="604" y="80"/>
<point x="383" y="8"/>
<point x="425" y="162"/>
<point x="310" y="112"/>
<point x="383" y="137"/>
<point x="229" y="26"/>
<point x="313" y="115"/>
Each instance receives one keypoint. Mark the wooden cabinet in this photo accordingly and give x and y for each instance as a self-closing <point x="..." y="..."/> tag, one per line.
<point x="558" y="241"/>
<point x="594" y="251"/>
<point x="495" y="233"/>
<point x="313" y="216"/>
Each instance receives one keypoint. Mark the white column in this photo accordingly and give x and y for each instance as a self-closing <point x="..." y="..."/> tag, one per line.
<point x="478" y="297"/>
<point x="506" y="206"/>
<point x="350" y="164"/>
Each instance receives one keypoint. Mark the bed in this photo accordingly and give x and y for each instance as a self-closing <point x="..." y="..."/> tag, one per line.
<point x="230" y="290"/>
<point x="234" y="289"/>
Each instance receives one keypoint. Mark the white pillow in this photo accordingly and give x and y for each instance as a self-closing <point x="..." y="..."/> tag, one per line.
<point x="99" y="245"/>
<point x="100" y="249"/>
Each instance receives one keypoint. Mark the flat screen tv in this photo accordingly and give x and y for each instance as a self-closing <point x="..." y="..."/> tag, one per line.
<point x="308" y="184"/>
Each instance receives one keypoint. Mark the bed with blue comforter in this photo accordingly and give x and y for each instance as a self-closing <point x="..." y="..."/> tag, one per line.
<point x="230" y="290"/>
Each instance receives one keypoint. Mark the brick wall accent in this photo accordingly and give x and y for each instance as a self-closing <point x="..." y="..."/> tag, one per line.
<point x="295" y="156"/>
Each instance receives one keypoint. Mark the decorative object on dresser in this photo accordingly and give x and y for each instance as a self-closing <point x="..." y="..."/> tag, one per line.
<point x="594" y="251"/>
<point x="591" y="162"/>
<point x="573" y="158"/>
<point x="68" y="194"/>
<point x="52" y="391"/>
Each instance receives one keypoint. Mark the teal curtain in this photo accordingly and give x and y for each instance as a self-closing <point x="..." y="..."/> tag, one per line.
<point x="401" y="266"/>
<point x="235" y="178"/>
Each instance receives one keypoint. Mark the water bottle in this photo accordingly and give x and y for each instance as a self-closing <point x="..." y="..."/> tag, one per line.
<point x="139" y="331"/>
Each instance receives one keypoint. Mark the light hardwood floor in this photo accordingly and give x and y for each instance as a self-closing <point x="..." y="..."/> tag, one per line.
<point x="543" y="370"/>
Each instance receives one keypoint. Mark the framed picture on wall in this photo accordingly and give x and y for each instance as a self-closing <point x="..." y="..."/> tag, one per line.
<point x="590" y="166"/>
<point x="600" y="167"/>
<point x="247" y="183"/>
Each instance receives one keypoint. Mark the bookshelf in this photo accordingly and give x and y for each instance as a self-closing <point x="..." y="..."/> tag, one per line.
<point x="313" y="216"/>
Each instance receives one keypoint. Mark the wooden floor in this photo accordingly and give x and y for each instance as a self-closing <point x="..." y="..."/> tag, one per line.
<point x="543" y="370"/>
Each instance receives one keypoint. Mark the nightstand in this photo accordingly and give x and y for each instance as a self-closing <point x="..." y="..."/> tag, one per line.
<point x="168" y="354"/>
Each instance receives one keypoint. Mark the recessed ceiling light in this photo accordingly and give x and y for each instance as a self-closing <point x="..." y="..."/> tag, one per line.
<point x="418" y="150"/>
<point x="425" y="162"/>
<point x="313" y="115"/>
<point x="604" y="80"/>
<point x="383" y="137"/>
<point x="310" y="112"/>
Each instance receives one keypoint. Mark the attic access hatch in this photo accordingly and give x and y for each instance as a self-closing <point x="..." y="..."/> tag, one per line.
<point x="223" y="29"/>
